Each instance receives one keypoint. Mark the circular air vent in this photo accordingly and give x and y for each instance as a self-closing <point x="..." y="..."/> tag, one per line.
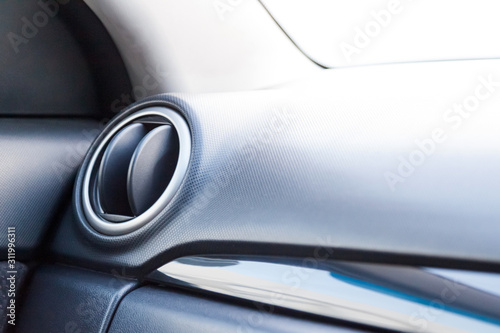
<point x="136" y="170"/>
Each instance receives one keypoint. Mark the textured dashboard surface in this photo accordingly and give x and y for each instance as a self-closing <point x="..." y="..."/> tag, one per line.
<point x="39" y="159"/>
<point x="303" y="171"/>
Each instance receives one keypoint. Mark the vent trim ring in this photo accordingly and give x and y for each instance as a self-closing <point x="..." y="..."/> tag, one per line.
<point x="184" y="135"/>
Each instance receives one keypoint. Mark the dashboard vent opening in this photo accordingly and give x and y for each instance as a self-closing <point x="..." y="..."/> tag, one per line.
<point x="136" y="170"/>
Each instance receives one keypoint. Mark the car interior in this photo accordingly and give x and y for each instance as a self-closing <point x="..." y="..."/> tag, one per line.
<point x="249" y="166"/>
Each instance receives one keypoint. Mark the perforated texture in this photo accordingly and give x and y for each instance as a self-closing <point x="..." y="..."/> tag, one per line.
<point x="300" y="171"/>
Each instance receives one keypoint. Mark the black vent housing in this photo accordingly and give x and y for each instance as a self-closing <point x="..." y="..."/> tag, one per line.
<point x="132" y="169"/>
<point x="136" y="168"/>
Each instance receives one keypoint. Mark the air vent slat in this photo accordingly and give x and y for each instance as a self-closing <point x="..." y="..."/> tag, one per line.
<point x="135" y="170"/>
<point x="152" y="167"/>
<point x="113" y="172"/>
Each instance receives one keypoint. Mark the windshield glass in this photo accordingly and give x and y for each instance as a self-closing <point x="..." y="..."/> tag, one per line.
<point x="348" y="33"/>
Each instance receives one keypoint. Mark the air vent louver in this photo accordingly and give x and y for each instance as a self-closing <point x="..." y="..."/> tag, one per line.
<point x="136" y="170"/>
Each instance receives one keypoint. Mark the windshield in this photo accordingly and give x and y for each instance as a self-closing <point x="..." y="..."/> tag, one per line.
<point x="348" y="33"/>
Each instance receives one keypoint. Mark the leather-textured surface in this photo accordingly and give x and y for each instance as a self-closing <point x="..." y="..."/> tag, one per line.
<point x="151" y="309"/>
<point x="39" y="159"/>
<point x="6" y="293"/>
<point x="300" y="171"/>
<point x="62" y="299"/>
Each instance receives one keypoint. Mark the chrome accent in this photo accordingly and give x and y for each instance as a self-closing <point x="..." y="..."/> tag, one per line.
<point x="110" y="228"/>
<point x="391" y="297"/>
